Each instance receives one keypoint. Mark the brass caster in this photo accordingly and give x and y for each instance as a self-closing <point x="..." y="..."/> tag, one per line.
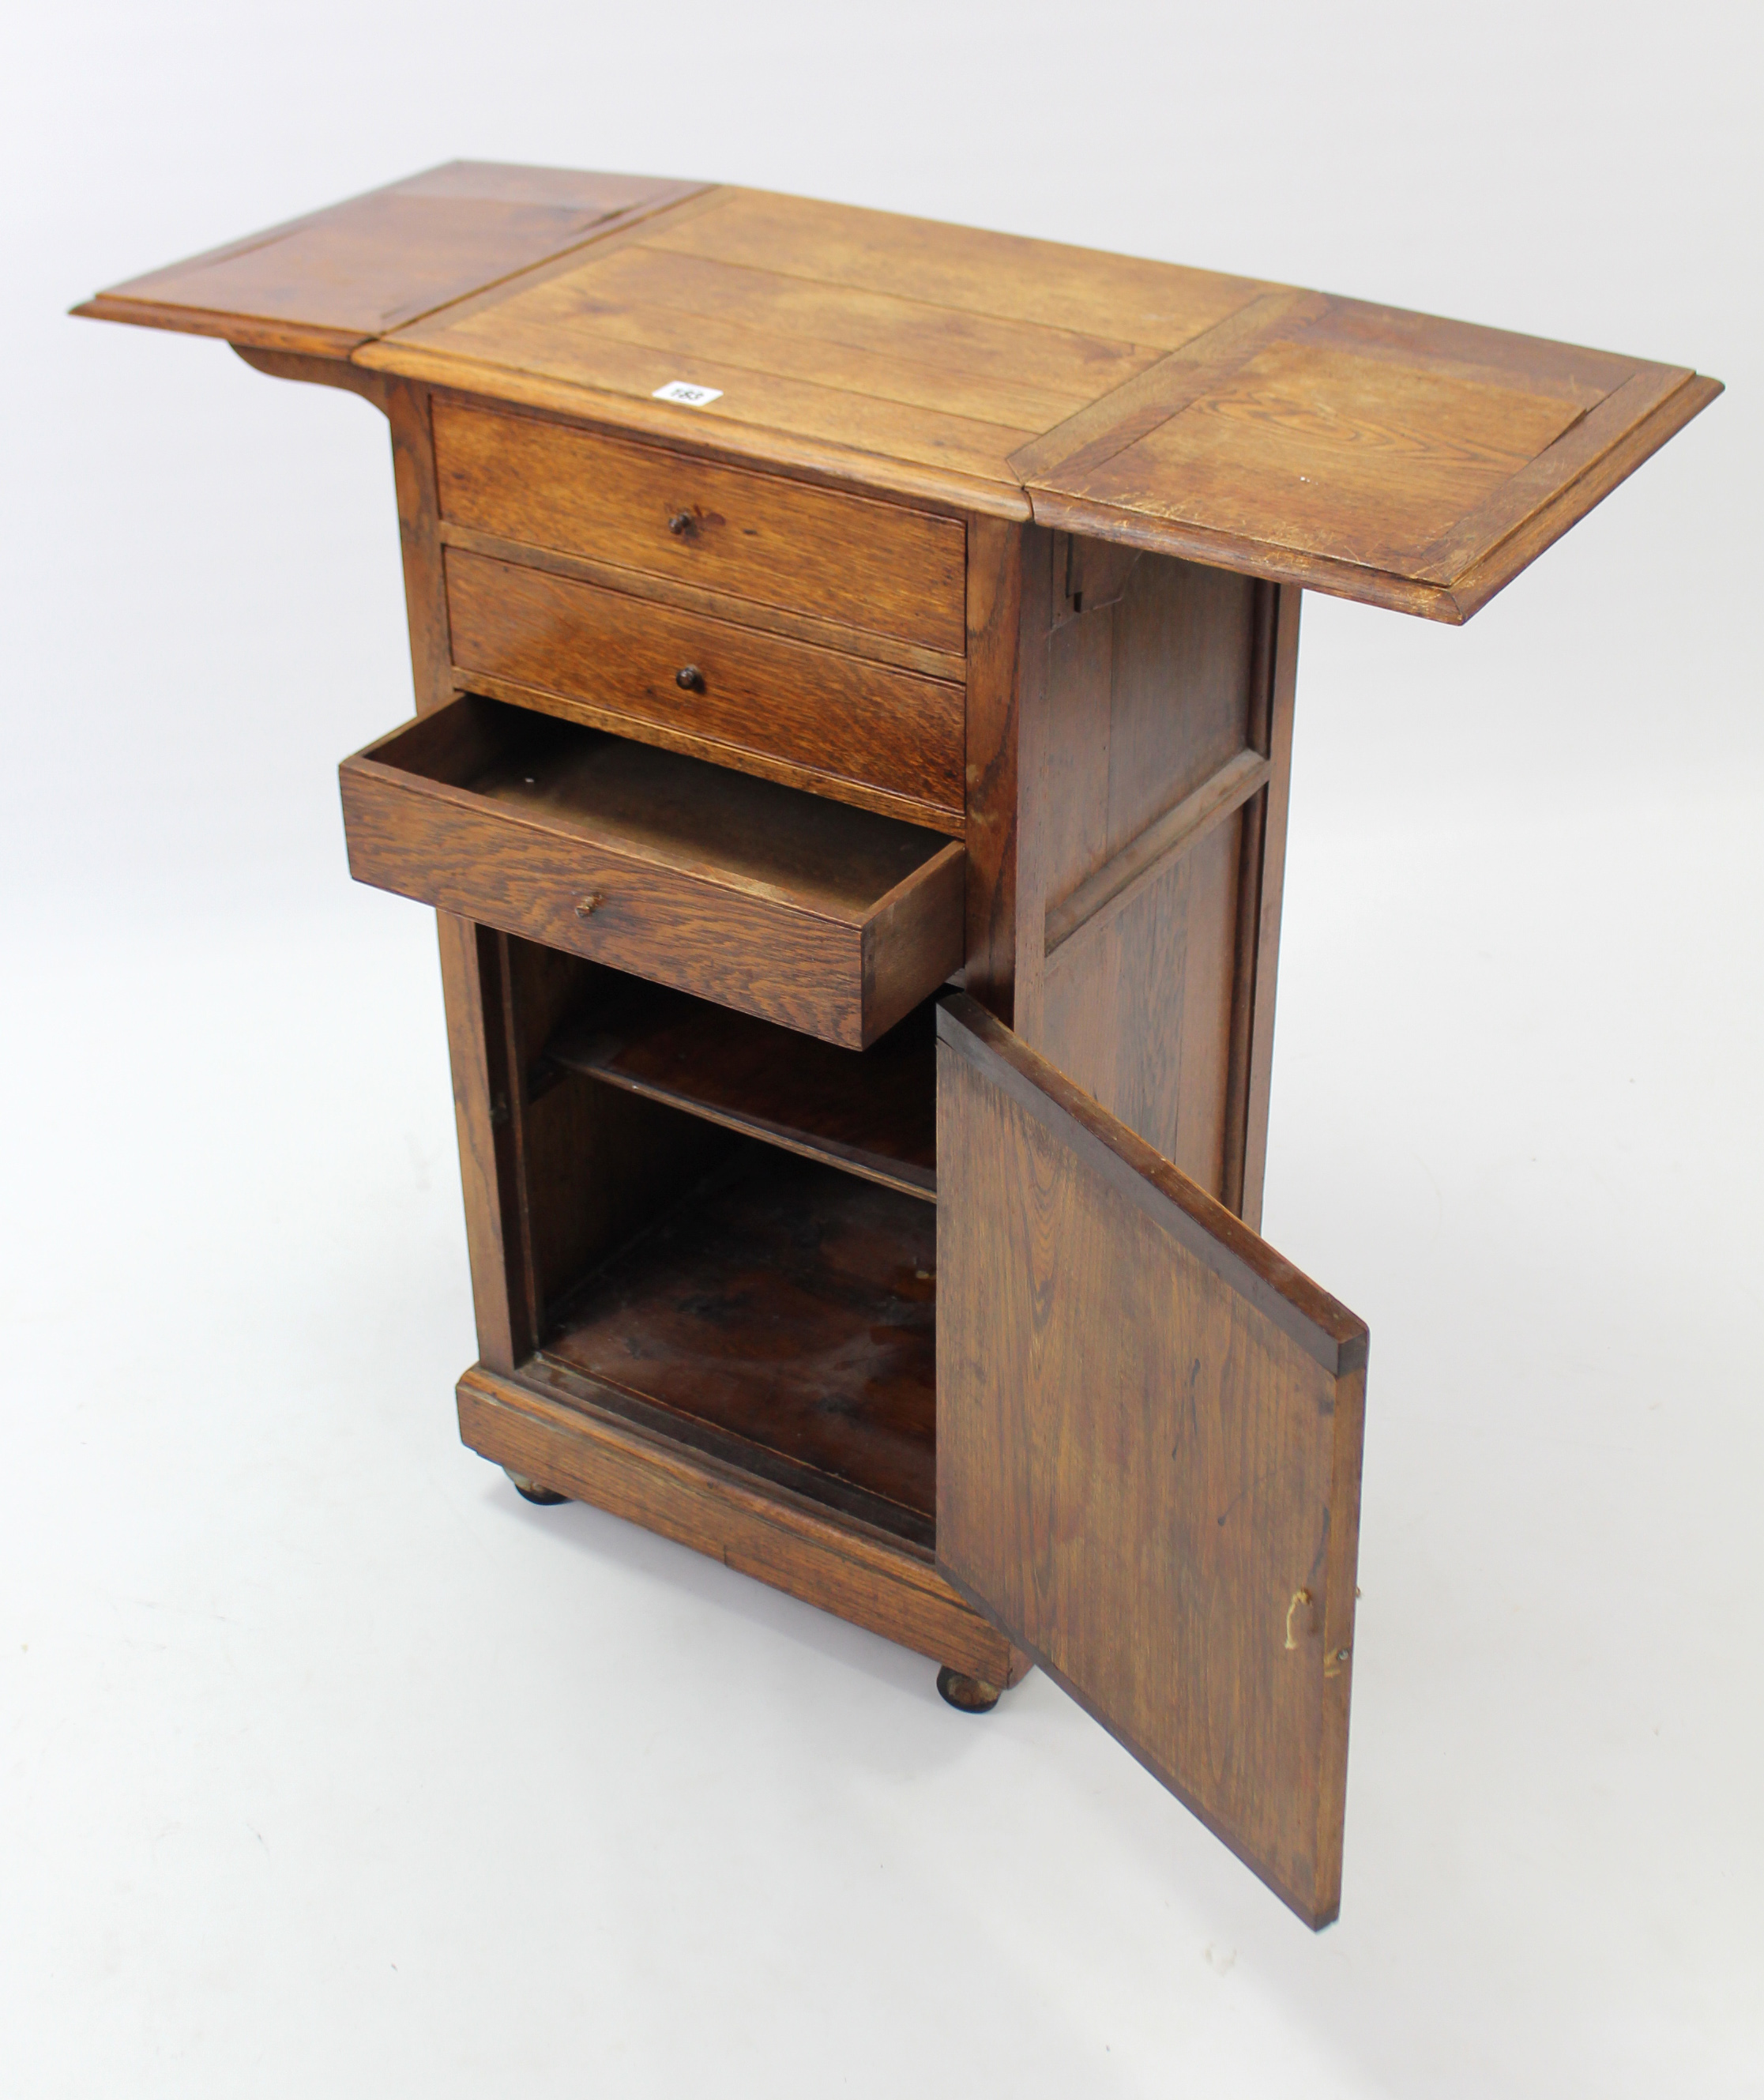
<point x="530" y="1490"/>
<point x="967" y="1695"/>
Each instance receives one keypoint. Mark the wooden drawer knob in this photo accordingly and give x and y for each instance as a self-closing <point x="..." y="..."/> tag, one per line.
<point x="587" y="907"/>
<point x="680" y="522"/>
<point x="690" y="678"/>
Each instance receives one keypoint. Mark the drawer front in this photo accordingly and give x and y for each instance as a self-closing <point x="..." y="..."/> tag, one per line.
<point x="866" y="564"/>
<point x="840" y="719"/>
<point x="490" y="811"/>
<point x="738" y="950"/>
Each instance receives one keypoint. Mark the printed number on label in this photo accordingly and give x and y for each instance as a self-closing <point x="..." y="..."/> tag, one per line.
<point x="681" y="389"/>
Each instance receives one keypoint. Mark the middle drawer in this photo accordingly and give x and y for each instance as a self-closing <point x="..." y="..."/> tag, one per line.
<point x="833" y="921"/>
<point x="862" y="732"/>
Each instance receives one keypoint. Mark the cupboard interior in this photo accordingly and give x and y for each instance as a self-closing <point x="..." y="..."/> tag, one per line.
<point x="729" y="1230"/>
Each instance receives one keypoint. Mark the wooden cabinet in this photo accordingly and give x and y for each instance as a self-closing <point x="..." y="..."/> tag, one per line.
<point x="855" y="663"/>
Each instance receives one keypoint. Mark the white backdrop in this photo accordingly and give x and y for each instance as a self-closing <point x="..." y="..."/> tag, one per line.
<point x="329" y="1766"/>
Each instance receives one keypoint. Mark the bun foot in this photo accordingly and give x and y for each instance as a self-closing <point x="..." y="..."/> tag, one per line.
<point x="529" y="1489"/>
<point x="967" y="1695"/>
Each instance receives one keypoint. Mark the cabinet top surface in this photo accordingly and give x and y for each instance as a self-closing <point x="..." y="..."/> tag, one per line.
<point x="1389" y="456"/>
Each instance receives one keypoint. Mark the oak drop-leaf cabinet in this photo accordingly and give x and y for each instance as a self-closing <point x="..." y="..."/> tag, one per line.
<point x="854" y="663"/>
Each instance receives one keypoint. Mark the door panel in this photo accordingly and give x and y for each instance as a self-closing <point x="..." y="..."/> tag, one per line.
<point x="1148" y="1442"/>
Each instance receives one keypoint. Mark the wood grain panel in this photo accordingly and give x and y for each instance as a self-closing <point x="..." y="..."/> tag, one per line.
<point x="665" y="302"/>
<point x="1150" y="697"/>
<point x="835" y="719"/>
<point x="1151" y="671"/>
<point x="1317" y="447"/>
<point x="1117" y="298"/>
<point x="535" y="332"/>
<point x="1149" y="1430"/>
<point x="1009" y="371"/>
<point x="1138" y="1006"/>
<point x="1143" y="860"/>
<point x="865" y="563"/>
<point x="1386" y="457"/>
<point x="338" y="276"/>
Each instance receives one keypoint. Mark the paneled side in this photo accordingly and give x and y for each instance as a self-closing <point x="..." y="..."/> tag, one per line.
<point x="1139" y="1011"/>
<point x="474" y="959"/>
<point x="1147" y="808"/>
<point x="1149" y="693"/>
<point x="472" y="979"/>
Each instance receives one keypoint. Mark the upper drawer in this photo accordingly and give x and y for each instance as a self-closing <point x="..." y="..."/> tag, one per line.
<point x="866" y="564"/>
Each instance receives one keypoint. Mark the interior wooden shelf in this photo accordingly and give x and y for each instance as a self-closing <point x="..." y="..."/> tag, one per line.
<point x="780" y="1317"/>
<point x="871" y="1112"/>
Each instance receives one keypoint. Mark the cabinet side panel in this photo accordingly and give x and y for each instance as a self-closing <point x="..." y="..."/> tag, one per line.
<point x="1139" y="1011"/>
<point x="419" y="531"/>
<point x="1258" y="1029"/>
<point x="472" y="979"/>
<point x="1153" y="745"/>
<point x="1028" y="902"/>
<point x="995" y="559"/>
<point x="1150" y="684"/>
<point x="477" y="1034"/>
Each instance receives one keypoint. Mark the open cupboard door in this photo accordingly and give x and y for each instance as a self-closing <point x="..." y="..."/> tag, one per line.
<point x="1149" y="1439"/>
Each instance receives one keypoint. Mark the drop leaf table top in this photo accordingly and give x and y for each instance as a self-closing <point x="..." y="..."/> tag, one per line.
<point x="1393" y="457"/>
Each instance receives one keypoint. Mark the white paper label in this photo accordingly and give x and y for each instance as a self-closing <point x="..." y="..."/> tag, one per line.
<point x="683" y="390"/>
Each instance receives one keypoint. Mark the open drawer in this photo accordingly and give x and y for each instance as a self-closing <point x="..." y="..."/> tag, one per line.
<point x="829" y="919"/>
